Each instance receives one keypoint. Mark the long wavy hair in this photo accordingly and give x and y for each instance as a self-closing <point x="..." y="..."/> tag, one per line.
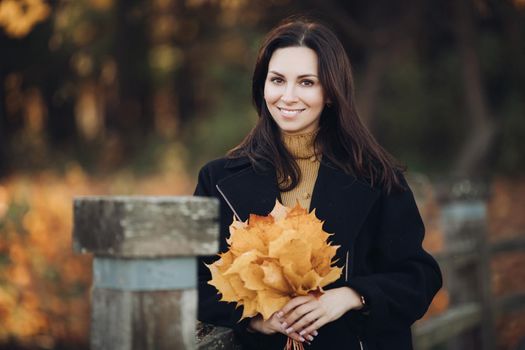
<point x="342" y="137"/>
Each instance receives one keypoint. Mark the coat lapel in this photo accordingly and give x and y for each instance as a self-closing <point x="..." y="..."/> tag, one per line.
<point x="249" y="191"/>
<point x="339" y="199"/>
<point x="342" y="202"/>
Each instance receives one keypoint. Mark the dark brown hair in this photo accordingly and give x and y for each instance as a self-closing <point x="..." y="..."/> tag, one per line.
<point x="342" y="138"/>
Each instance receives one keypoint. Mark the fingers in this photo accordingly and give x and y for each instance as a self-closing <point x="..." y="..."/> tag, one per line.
<point x="301" y="337"/>
<point x="302" y="316"/>
<point x="305" y="321"/>
<point x="294" y="335"/>
<point x="299" y="313"/>
<point x="269" y="326"/>
<point x="274" y="324"/>
<point x="292" y="304"/>
<point x="312" y="328"/>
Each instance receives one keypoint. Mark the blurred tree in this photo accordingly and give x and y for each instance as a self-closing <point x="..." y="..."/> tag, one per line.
<point x="131" y="114"/>
<point x="384" y="37"/>
<point x="117" y="79"/>
<point x="18" y="17"/>
<point x="3" y="135"/>
<point x="481" y="124"/>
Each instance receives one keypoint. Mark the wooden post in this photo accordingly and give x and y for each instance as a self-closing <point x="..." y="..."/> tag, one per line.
<point x="145" y="268"/>
<point x="465" y="227"/>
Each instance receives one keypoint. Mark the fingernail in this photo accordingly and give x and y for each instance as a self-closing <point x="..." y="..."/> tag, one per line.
<point x="284" y="324"/>
<point x="302" y="332"/>
<point x="316" y="333"/>
<point x="310" y="338"/>
<point x="289" y="330"/>
<point x="301" y="338"/>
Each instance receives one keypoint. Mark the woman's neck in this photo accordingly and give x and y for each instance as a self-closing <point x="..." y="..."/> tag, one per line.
<point x="300" y="146"/>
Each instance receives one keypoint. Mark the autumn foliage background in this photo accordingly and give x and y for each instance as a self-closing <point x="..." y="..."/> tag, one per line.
<point x="132" y="96"/>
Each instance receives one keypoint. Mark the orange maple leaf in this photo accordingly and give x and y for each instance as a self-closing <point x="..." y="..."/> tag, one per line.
<point x="273" y="259"/>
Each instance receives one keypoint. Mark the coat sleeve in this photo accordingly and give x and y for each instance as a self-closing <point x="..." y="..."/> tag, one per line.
<point x="210" y="309"/>
<point x="405" y="277"/>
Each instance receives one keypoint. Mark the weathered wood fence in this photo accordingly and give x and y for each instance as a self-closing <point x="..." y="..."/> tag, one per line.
<point x="144" y="289"/>
<point x="469" y="322"/>
<point x="145" y="268"/>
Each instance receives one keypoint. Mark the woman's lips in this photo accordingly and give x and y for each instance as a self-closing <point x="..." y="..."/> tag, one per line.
<point x="290" y="113"/>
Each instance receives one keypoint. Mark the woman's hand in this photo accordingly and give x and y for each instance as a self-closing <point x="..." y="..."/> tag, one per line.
<point x="306" y="314"/>
<point x="274" y="325"/>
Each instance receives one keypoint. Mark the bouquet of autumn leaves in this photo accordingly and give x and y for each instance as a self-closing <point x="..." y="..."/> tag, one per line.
<point x="272" y="259"/>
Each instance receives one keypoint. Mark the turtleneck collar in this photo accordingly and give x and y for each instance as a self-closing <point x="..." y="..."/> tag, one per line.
<point x="300" y="146"/>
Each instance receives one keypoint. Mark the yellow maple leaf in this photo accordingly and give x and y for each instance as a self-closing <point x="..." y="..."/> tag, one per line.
<point x="249" y="308"/>
<point x="242" y="261"/>
<point x="273" y="259"/>
<point x="219" y="281"/>
<point x="242" y="240"/>
<point x="253" y="277"/>
<point x="269" y="302"/>
<point x="274" y="276"/>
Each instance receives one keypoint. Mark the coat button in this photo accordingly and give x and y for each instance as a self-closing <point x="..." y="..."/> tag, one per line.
<point x="306" y="195"/>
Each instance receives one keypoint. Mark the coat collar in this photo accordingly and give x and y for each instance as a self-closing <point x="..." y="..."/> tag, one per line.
<point x="340" y="200"/>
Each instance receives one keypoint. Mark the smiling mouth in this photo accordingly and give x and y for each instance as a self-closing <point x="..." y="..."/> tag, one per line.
<point x="290" y="112"/>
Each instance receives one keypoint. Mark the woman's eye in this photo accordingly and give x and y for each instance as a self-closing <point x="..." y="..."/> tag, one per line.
<point x="276" y="80"/>
<point x="307" y="83"/>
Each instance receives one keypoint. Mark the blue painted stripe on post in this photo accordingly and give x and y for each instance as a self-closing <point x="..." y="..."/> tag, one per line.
<point x="468" y="210"/>
<point x="145" y="274"/>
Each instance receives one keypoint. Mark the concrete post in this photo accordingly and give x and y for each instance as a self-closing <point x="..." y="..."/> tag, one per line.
<point x="464" y="215"/>
<point x="145" y="268"/>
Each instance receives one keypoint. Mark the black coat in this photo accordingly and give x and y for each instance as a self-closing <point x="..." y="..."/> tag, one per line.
<point x="381" y="234"/>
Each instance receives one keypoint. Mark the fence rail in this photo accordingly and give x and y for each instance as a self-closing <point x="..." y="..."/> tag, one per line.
<point x="451" y="323"/>
<point x="466" y="316"/>
<point x="135" y="238"/>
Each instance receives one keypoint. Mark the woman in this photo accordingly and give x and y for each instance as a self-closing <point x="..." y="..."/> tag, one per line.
<point x="310" y="145"/>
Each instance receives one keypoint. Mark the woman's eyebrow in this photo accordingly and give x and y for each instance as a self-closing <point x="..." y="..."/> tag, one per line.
<point x="300" y="76"/>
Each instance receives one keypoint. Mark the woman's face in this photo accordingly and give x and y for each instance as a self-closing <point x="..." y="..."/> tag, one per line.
<point x="292" y="91"/>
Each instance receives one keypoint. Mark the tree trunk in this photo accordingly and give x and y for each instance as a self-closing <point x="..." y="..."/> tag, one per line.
<point x="478" y="142"/>
<point x="344" y="22"/>
<point x="3" y="118"/>
<point x="368" y="91"/>
<point x="131" y="116"/>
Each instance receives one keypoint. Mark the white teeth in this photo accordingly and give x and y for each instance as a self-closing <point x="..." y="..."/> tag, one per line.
<point x="290" y="112"/>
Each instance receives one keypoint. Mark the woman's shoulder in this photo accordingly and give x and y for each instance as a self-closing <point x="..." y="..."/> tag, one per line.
<point x="397" y="185"/>
<point x="224" y="164"/>
<point x="215" y="163"/>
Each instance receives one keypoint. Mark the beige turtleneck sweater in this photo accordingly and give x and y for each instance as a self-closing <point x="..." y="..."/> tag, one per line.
<point x="301" y="147"/>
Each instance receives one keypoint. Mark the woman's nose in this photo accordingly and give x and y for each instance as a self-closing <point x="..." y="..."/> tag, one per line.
<point x="289" y="94"/>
